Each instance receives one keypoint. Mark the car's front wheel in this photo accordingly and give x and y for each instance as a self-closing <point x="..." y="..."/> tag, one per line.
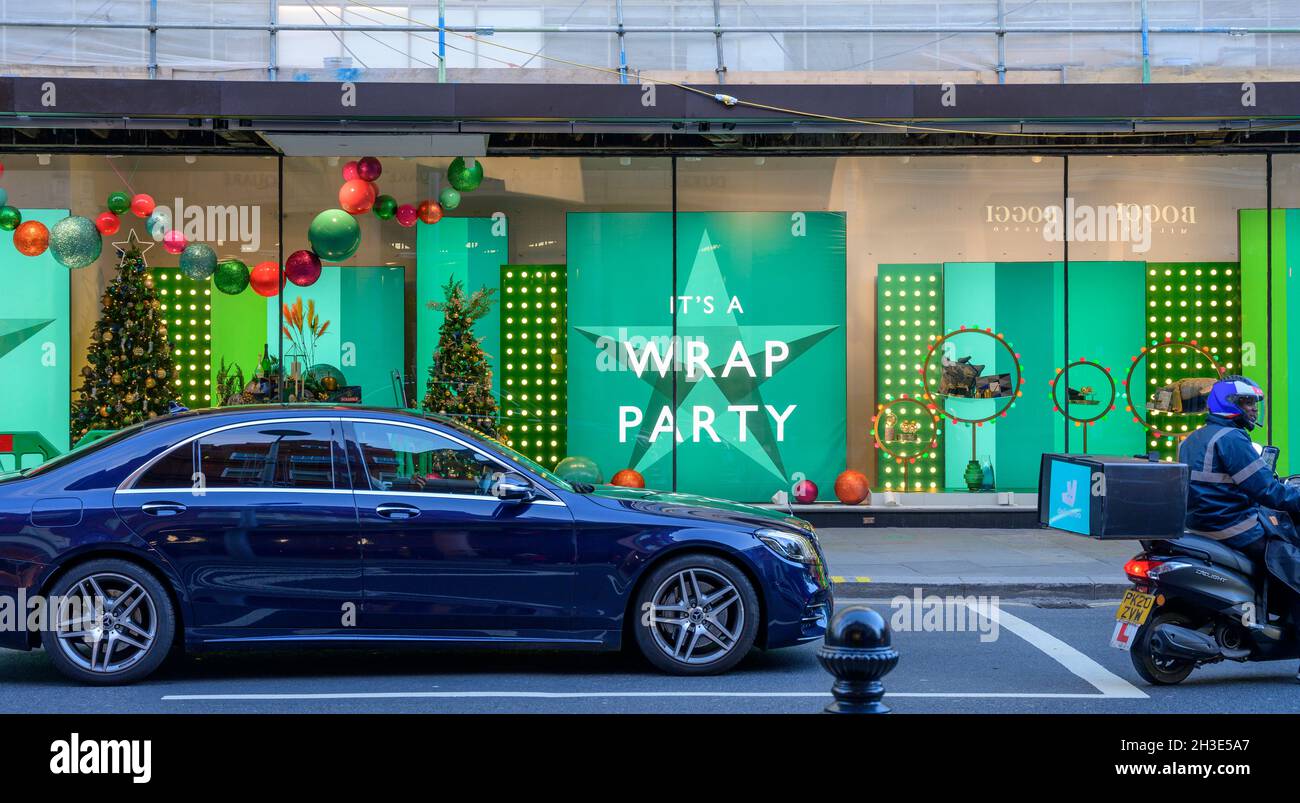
<point x="696" y="614"/>
<point x="112" y="622"/>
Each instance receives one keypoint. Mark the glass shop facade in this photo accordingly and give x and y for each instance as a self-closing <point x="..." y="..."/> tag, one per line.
<point x="727" y="325"/>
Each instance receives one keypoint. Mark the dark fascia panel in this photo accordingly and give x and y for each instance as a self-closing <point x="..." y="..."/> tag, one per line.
<point x="325" y="101"/>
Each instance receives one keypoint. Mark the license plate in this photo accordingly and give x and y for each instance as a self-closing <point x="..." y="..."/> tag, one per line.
<point x="1136" y="607"/>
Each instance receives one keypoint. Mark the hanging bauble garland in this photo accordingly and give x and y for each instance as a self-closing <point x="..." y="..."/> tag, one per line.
<point x="369" y="168"/>
<point x="406" y="215"/>
<point x="266" y="279"/>
<point x="75" y="242"/>
<point x="10" y="217"/>
<point x="118" y="202"/>
<point x="357" y="196"/>
<point x="4" y="197"/>
<point x="174" y="242"/>
<point x="142" y="205"/>
<point x="231" y="277"/>
<point x="429" y="212"/>
<point x="449" y="198"/>
<point x="198" y="261"/>
<point x="108" y="223"/>
<point x="385" y="207"/>
<point x="158" y="224"/>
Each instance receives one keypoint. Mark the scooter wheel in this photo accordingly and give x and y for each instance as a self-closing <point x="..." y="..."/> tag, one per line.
<point x="1154" y="670"/>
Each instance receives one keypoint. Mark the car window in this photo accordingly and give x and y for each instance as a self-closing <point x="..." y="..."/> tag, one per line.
<point x="173" y="470"/>
<point x="297" y="454"/>
<point x="417" y="461"/>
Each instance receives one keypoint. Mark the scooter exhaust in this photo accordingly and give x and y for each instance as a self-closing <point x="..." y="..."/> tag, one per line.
<point x="1172" y="641"/>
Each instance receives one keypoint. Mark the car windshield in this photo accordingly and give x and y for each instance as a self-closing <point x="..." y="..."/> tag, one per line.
<point x="516" y="457"/>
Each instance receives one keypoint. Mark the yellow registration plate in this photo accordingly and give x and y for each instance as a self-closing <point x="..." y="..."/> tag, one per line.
<point x="1136" y="607"/>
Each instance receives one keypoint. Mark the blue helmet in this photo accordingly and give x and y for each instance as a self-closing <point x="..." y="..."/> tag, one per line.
<point x="1225" y="395"/>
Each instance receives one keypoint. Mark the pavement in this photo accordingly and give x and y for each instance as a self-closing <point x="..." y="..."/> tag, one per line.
<point x="889" y="561"/>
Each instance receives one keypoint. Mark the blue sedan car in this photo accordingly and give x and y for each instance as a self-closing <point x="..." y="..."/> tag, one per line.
<point x="319" y="526"/>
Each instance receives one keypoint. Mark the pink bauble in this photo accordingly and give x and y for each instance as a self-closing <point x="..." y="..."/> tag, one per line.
<point x="406" y="215"/>
<point x="350" y="171"/>
<point x="805" y="492"/>
<point x="368" y="169"/>
<point x="174" y="242"/>
<point x="302" y="268"/>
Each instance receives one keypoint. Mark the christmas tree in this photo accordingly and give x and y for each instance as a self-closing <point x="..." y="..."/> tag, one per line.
<point x="460" y="379"/>
<point x="129" y="371"/>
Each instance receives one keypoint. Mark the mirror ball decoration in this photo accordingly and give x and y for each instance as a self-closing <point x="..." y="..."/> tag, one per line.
<point x="449" y="198"/>
<point x="75" y="242"/>
<point x="198" y="261"/>
<point x="334" y="235"/>
<point x="32" y="238"/>
<point x="302" y="268"/>
<point x="464" y="178"/>
<point x="231" y="277"/>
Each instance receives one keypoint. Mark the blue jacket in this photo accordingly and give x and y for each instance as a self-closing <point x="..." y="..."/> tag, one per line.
<point x="1229" y="482"/>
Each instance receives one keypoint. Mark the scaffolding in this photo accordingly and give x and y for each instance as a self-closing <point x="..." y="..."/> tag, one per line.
<point x="585" y="41"/>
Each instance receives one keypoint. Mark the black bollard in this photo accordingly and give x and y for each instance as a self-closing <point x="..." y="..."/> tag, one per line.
<point x="858" y="653"/>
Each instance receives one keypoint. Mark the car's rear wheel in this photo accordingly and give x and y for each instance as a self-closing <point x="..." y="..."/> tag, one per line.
<point x="111" y="622"/>
<point x="696" y="614"/>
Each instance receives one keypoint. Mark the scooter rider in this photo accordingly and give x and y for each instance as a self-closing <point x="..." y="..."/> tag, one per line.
<point x="1233" y="497"/>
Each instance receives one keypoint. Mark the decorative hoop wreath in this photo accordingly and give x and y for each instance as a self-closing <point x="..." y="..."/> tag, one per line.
<point x="1065" y="411"/>
<point x="931" y="397"/>
<point x="1142" y="355"/>
<point x="899" y="457"/>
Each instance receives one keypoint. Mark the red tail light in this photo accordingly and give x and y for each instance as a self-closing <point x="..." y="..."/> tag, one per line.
<point x="1139" y="569"/>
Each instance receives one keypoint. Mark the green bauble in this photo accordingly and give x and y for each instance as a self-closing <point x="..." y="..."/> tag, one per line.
<point x="10" y="218"/>
<point x="118" y="202"/>
<point x="576" y="468"/>
<point x="449" y="198"/>
<point x="385" y="206"/>
<point x="75" y="242"/>
<point x="198" y="261"/>
<point x="465" y="179"/>
<point x="231" y="277"/>
<point x="334" y="235"/>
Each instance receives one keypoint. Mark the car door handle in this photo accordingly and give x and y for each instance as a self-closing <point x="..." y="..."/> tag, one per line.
<point x="162" y="508"/>
<point x="396" y="510"/>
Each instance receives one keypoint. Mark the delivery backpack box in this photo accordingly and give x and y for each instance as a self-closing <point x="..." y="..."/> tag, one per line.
<point x="1108" y="497"/>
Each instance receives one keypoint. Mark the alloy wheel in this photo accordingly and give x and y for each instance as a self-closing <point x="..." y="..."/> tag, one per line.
<point x="106" y="623"/>
<point x="697" y="616"/>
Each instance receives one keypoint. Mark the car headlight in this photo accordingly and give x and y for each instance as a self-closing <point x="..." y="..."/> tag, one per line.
<point x="790" y="546"/>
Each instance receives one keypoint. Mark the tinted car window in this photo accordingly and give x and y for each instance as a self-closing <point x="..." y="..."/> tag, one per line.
<point x="280" y="455"/>
<point x="174" y="470"/>
<point x="416" y="461"/>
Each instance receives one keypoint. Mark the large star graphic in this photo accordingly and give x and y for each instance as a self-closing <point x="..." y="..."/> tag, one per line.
<point x="721" y="330"/>
<point x="16" y="331"/>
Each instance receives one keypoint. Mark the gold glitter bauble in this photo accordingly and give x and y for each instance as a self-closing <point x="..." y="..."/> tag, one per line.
<point x="149" y="383"/>
<point x="137" y="351"/>
<point x="108" y="337"/>
<point x="161" y="373"/>
<point x="117" y="379"/>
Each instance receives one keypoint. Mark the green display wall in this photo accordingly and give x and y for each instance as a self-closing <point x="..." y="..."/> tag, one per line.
<point x="35" y="353"/>
<point x="364" y="340"/>
<point x="1257" y="358"/>
<point x="239" y="332"/>
<point x="756" y="400"/>
<point x="1106" y="327"/>
<point x="472" y="250"/>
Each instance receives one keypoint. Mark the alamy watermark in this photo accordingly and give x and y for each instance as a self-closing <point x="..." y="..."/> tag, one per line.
<point x="947" y="614"/>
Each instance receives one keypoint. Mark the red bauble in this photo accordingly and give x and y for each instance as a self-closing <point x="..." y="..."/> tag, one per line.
<point x="31" y="238"/>
<point x="369" y="169"/>
<point x="406" y="215"/>
<point x="350" y="171"/>
<point x="142" y="205"/>
<point x="107" y="223"/>
<point x="430" y="212"/>
<point x="265" y="278"/>
<point x="805" y="492"/>
<point x="357" y="196"/>
<point x="302" y="268"/>
<point x="852" y="488"/>
<point x="628" y="478"/>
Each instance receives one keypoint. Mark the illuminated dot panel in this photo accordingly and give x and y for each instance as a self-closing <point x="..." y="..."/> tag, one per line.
<point x="909" y="315"/>
<point x="186" y="306"/>
<point x="1189" y="301"/>
<point x="534" y="374"/>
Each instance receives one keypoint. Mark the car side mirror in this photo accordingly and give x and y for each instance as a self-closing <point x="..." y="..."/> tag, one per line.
<point x="513" y="487"/>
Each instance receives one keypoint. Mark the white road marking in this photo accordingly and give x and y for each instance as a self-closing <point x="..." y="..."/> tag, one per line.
<point x="563" y="695"/>
<point x="1102" y="679"/>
